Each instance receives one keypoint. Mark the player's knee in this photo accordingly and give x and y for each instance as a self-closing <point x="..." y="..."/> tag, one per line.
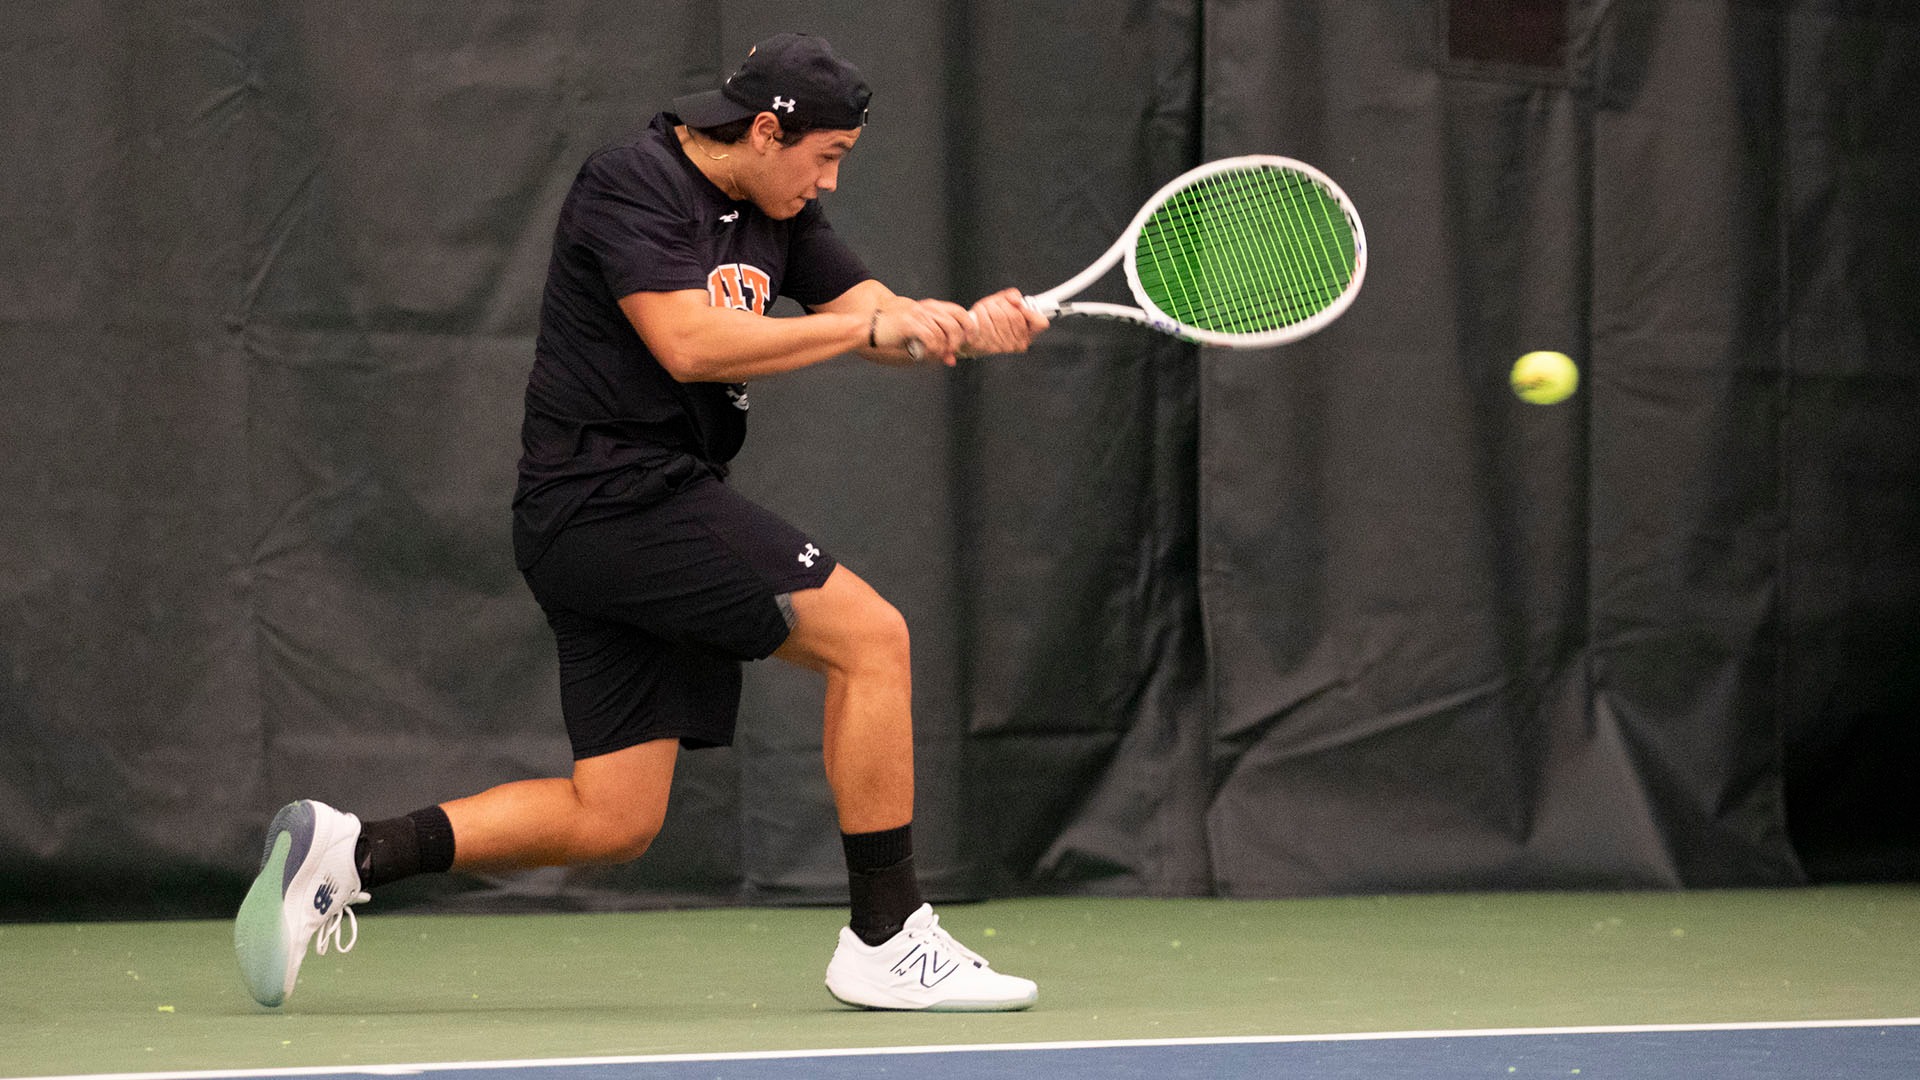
<point x="627" y="840"/>
<point x="884" y="639"/>
<point x="633" y="846"/>
<point x="617" y="837"/>
<point x="853" y="630"/>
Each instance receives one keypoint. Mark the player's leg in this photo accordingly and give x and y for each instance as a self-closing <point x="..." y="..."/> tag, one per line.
<point x="858" y="641"/>
<point x="320" y="861"/>
<point x="893" y="954"/>
<point x="629" y="698"/>
<point x="608" y="811"/>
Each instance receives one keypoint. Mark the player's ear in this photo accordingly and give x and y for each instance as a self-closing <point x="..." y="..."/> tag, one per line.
<point x="765" y="132"/>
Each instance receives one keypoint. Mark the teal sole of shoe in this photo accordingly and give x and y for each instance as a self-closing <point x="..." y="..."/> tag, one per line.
<point x="256" y="930"/>
<point x="981" y="1006"/>
<point x="950" y="1006"/>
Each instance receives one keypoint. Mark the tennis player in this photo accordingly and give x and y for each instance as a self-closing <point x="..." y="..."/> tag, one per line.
<point x="656" y="577"/>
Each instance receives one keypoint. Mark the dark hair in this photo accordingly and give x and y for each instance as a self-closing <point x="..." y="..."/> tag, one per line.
<point x="791" y="131"/>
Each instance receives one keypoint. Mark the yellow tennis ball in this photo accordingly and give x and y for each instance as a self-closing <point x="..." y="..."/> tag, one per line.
<point x="1545" y="378"/>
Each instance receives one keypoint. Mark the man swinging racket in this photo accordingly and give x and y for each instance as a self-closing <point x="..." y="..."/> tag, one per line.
<point x="656" y="578"/>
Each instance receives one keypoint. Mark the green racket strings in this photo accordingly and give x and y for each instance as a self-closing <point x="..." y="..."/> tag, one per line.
<point x="1246" y="251"/>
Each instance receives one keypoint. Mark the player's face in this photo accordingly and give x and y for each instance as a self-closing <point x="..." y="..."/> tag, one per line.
<point x="798" y="173"/>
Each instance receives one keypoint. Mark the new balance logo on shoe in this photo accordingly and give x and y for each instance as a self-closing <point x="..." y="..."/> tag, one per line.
<point x="932" y="972"/>
<point x="806" y="557"/>
<point x="323" y="897"/>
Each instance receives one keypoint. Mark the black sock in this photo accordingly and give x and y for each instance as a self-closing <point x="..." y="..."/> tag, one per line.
<point x="882" y="882"/>
<point x="420" y="843"/>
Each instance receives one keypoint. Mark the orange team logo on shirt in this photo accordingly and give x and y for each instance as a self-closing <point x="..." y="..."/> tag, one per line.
<point x="739" y="286"/>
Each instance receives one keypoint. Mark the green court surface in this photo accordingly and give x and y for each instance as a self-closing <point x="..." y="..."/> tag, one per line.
<point x="147" y="997"/>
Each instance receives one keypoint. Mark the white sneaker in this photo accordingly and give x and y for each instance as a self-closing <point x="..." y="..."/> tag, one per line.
<point x="306" y="882"/>
<point x="921" y="967"/>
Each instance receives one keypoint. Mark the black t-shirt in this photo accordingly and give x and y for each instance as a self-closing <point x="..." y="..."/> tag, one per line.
<point x="605" y="425"/>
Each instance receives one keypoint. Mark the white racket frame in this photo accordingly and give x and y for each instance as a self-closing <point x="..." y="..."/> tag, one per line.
<point x="1054" y="303"/>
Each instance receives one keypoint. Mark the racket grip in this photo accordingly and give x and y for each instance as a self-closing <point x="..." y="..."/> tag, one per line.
<point x="919" y="352"/>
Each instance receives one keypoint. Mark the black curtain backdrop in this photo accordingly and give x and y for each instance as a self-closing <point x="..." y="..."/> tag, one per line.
<point x="1339" y="617"/>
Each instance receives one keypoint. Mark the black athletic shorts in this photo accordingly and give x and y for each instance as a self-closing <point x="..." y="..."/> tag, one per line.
<point x="654" y="608"/>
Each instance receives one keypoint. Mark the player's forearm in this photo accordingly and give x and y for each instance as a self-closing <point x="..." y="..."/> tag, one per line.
<point x="725" y="345"/>
<point x="895" y="352"/>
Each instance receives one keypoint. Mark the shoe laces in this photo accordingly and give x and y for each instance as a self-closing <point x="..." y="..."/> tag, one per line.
<point x="941" y="939"/>
<point x="332" y="926"/>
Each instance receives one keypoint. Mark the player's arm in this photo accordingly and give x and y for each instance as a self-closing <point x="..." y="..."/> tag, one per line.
<point x="894" y="320"/>
<point x="996" y="324"/>
<point x="697" y="342"/>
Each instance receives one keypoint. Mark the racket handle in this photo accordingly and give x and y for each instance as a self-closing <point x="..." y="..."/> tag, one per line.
<point x="918" y="352"/>
<point x="1044" y="308"/>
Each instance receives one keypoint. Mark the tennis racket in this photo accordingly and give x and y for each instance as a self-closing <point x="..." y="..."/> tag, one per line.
<point x="1243" y="252"/>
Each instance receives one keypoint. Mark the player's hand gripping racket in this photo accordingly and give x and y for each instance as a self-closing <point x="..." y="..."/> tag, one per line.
<point x="1243" y="252"/>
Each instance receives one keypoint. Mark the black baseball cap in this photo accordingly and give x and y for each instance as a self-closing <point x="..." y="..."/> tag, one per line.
<point x="791" y="76"/>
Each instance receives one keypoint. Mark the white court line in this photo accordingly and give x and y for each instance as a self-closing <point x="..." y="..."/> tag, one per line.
<point x="963" y="1048"/>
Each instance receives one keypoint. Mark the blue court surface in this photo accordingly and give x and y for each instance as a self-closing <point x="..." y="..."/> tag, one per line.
<point x="1843" y="1050"/>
